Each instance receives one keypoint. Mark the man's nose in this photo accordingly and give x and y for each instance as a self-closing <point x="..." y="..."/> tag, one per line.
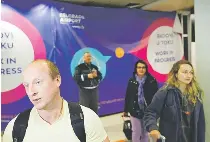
<point x="32" y="91"/>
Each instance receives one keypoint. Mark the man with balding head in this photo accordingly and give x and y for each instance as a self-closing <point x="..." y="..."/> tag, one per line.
<point x="52" y="119"/>
<point x="88" y="77"/>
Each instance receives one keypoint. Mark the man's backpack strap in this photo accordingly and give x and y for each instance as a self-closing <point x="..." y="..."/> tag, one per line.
<point x="76" y="116"/>
<point x="77" y="121"/>
<point x="20" y="126"/>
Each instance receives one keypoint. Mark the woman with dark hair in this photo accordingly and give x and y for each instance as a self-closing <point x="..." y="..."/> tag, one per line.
<point x="179" y="106"/>
<point x="140" y="90"/>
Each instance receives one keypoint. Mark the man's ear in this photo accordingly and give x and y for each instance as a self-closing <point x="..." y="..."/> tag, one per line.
<point x="58" y="80"/>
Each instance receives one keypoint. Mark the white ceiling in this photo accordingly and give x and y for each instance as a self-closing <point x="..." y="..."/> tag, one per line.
<point x="152" y="5"/>
<point x="169" y="5"/>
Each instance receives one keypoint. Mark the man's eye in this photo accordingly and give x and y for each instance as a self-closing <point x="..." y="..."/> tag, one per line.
<point x="38" y="82"/>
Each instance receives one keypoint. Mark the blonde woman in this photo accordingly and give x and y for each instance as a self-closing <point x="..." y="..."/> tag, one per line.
<point x="179" y="106"/>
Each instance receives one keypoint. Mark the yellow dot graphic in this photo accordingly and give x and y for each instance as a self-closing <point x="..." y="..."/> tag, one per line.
<point x="119" y="52"/>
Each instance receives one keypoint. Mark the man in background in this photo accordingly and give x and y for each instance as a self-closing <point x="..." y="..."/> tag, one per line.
<point x="88" y="78"/>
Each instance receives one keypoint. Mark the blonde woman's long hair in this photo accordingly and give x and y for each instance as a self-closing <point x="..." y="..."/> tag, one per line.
<point x="192" y="89"/>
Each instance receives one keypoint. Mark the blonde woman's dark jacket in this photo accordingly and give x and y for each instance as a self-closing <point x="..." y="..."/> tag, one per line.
<point x="166" y="106"/>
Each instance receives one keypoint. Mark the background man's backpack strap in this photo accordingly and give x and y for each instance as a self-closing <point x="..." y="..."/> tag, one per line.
<point x="20" y="126"/>
<point x="77" y="121"/>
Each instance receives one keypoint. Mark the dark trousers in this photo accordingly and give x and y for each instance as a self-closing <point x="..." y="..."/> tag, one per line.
<point x="89" y="98"/>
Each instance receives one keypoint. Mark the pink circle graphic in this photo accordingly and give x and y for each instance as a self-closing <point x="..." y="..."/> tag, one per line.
<point x="13" y="17"/>
<point x="141" y="50"/>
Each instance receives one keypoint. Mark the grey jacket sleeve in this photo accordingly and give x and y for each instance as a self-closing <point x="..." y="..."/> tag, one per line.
<point x="153" y="111"/>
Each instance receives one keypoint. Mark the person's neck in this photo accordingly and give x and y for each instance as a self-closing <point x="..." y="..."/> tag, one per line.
<point x="182" y="87"/>
<point x="88" y="63"/>
<point x="53" y="111"/>
<point x="140" y="76"/>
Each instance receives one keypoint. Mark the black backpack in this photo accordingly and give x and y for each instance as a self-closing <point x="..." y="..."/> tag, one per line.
<point x="76" y="117"/>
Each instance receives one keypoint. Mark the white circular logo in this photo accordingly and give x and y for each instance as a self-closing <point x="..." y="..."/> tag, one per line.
<point x="164" y="49"/>
<point x="16" y="53"/>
